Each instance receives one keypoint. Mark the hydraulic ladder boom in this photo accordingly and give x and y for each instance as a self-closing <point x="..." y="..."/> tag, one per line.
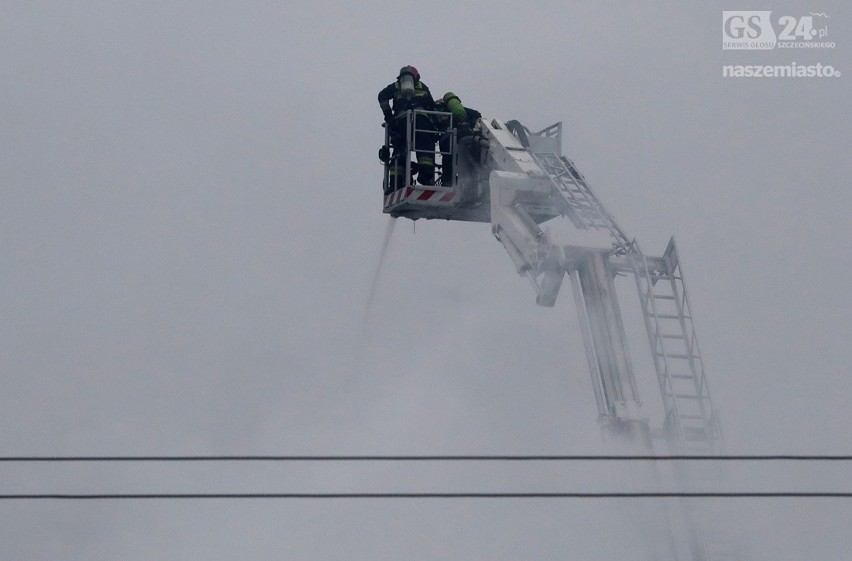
<point x="578" y="236"/>
<point x="551" y="223"/>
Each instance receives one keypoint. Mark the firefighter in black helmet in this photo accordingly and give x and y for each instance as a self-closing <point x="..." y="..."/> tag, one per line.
<point x="408" y="92"/>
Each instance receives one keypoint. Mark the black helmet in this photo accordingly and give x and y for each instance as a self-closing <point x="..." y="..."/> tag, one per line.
<point x="410" y="70"/>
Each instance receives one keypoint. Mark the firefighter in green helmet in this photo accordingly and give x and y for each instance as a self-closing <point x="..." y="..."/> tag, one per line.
<point x="408" y="92"/>
<point x="464" y="119"/>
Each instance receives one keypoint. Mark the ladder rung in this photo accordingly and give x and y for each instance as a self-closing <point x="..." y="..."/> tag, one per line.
<point x="663" y="297"/>
<point x="576" y="193"/>
<point x="681" y="376"/>
<point x="584" y="205"/>
<point x="681" y="357"/>
<point x="694" y="428"/>
<point x="695" y="437"/>
<point x="694" y="431"/>
<point x="692" y="417"/>
<point x="688" y="396"/>
<point x="672" y="336"/>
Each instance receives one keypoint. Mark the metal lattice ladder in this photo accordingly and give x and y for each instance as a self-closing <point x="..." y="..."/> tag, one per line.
<point x="691" y="422"/>
<point x="690" y="418"/>
<point x="580" y="204"/>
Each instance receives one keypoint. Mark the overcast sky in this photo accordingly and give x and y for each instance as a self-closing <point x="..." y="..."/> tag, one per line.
<point x="190" y="223"/>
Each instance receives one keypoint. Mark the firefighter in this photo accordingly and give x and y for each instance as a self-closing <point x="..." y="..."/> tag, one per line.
<point x="408" y="92"/>
<point x="464" y="119"/>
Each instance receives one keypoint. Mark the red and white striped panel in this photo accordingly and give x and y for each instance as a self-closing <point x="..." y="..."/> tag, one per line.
<point x="426" y="195"/>
<point x="397" y="195"/>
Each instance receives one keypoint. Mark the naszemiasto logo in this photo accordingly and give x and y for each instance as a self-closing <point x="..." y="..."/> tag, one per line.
<point x="749" y="29"/>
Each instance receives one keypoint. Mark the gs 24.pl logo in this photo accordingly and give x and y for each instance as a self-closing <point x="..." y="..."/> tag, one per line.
<point x="749" y="29"/>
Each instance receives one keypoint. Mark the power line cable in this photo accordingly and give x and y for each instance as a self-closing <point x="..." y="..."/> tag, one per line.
<point x="429" y="458"/>
<point x="539" y="495"/>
